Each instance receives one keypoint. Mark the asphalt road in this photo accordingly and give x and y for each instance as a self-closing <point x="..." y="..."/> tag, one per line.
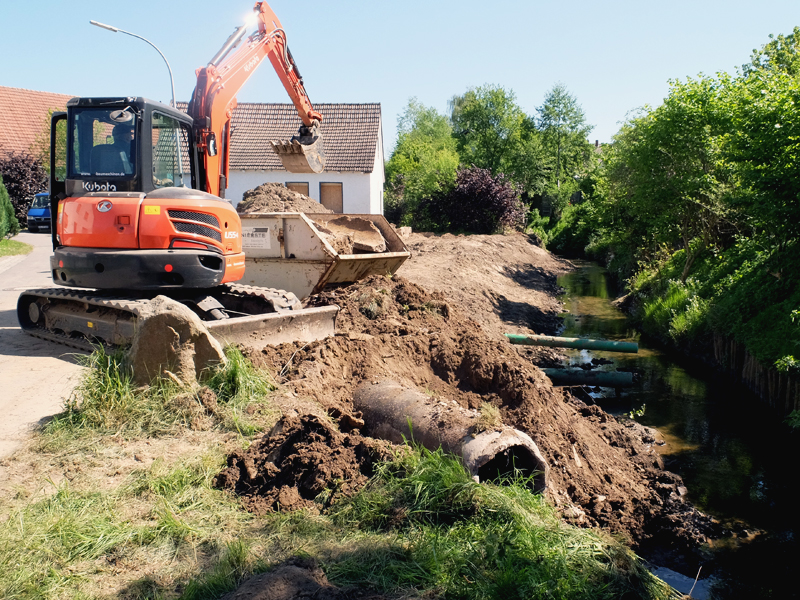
<point x="35" y="376"/>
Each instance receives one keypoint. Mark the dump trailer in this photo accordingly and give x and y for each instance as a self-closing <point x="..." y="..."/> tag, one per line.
<point x="298" y="252"/>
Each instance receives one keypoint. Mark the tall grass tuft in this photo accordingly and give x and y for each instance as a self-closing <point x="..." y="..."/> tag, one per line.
<point x="106" y="401"/>
<point x="455" y="538"/>
<point x="238" y="382"/>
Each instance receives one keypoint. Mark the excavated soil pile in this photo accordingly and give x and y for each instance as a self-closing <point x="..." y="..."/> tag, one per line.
<point x="299" y="459"/>
<point x="603" y="472"/>
<point x="276" y="197"/>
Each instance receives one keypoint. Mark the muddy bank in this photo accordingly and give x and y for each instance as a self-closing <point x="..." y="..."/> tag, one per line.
<point x="602" y="471"/>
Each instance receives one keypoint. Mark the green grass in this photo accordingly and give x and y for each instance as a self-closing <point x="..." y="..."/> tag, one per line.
<point x="107" y="402"/>
<point x="13" y="248"/>
<point x="747" y="293"/>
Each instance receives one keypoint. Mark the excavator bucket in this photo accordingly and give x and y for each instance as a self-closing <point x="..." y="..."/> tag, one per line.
<point x="303" y="153"/>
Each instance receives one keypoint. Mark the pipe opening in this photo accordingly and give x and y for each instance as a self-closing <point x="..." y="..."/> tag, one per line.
<point x="515" y="461"/>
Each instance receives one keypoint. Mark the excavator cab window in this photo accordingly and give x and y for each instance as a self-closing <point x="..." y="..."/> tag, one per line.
<point x="171" y="159"/>
<point x="103" y="143"/>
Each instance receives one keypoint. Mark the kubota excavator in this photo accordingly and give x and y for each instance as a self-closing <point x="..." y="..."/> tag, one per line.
<point x="137" y="203"/>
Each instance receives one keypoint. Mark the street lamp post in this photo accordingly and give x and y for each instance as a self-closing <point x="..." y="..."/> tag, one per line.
<point x="117" y="29"/>
<point x="171" y="84"/>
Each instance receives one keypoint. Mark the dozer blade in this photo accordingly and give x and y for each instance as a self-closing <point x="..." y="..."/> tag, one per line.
<point x="304" y="153"/>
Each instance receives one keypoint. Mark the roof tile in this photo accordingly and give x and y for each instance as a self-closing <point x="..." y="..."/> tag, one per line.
<point x="23" y="117"/>
<point x="350" y="132"/>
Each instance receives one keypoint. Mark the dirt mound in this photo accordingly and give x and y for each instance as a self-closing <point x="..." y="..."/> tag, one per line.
<point x="602" y="471"/>
<point x="302" y="457"/>
<point x="276" y="197"/>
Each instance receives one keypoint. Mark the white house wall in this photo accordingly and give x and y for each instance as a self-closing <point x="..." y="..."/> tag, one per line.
<point x="378" y="178"/>
<point x="358" y="189"/>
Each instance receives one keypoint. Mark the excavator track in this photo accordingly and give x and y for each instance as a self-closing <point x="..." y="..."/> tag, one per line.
<point x="85" y="319"/>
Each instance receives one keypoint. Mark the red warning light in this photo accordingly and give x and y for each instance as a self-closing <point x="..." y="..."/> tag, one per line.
<point x="168" y="268"/>
<point x="61" y="264"/>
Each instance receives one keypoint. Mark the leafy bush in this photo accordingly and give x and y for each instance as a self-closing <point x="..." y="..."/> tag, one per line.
<point x="23" y="177"/>
<point x="573" y="232"/>
<point x="479" y="203"/>
<point x="537" y="226"/>
<point x="9" y="226"/>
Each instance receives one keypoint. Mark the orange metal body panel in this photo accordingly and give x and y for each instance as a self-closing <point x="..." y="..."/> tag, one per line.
<point x="131" y="223"/>
<point x="157" y="228"/>
<point x="81" y="224"/>
<point x="234" y="267"/>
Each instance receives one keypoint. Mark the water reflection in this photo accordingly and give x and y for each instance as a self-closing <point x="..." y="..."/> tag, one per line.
<point x="714" y="438"/>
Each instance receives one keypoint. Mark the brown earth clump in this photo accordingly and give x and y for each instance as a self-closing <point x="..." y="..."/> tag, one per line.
<point x="296" y="579"/>
<point x="276" y="197"/>
<point x="302" y="457"/>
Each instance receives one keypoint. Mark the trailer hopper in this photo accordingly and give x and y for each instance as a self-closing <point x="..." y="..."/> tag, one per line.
<point x="296" y="251"/>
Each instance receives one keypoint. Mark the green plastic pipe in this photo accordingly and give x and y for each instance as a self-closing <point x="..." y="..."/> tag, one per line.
<point x="615" y="379"/>
<point x="579" y="343"/>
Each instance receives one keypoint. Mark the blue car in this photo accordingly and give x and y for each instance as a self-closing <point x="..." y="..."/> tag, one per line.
<point x="39" y="212"/>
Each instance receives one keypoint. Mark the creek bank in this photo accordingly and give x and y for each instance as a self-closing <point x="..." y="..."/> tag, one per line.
<point x="732" y="458"/>
<point x="778" y="391"/>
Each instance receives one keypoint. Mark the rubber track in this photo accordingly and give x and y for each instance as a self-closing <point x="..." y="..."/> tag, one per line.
<point x="282" y="301"/>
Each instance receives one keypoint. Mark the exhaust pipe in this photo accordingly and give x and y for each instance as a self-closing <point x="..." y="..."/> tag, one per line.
<point x="396" y="413"/>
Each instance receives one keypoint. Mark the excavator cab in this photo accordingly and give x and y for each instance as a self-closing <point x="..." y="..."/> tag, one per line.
<point x="126" y="145"/>
<point x="127" y="208"/>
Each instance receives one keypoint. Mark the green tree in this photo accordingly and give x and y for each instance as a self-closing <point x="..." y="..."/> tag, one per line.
<point x="763" y="146"/>
<point x="666" y="176"/>
<point x="494" y="133"/>
<point x="781" y="53"/>
<point x="9" y="226"/>
<point x="423" y="162"/>
<point x="40" y="148"/>
<point x="564" y="129"/>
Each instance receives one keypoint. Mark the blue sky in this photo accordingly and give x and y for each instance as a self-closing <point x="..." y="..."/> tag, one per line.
<point x="614" y="56"/>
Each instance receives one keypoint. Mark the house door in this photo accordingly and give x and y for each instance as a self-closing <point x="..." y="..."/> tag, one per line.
<point x="298" y="186"/>
<point x="330" y="195"/>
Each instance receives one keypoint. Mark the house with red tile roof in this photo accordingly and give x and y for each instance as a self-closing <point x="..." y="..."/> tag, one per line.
<point x="23" y="118"/>
<point x="352" y="139"/>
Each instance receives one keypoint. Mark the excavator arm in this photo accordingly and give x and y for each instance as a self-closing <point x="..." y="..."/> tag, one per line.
<point x="214" y="99"/>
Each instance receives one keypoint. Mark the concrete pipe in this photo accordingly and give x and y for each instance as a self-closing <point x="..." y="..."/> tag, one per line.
<point x="396" y="413"/>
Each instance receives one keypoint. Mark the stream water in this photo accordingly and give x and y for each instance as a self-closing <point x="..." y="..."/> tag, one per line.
<point x="736" y="459"/>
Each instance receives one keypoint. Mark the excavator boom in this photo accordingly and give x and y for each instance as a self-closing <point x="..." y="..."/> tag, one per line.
<point x="214" y="99"/>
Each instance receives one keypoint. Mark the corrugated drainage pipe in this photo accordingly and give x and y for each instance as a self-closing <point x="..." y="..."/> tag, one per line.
<point x="396" y="413"/>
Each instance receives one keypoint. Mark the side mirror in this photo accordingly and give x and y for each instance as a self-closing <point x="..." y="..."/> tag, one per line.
<point x="211" y="144"/>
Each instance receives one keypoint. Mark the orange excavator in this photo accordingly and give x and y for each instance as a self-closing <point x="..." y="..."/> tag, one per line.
<point x="137" y="202"/>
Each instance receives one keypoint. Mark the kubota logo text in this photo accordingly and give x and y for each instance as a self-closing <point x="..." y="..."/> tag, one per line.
<point x="93" y="186"/>
<point x="251" y="64"/>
